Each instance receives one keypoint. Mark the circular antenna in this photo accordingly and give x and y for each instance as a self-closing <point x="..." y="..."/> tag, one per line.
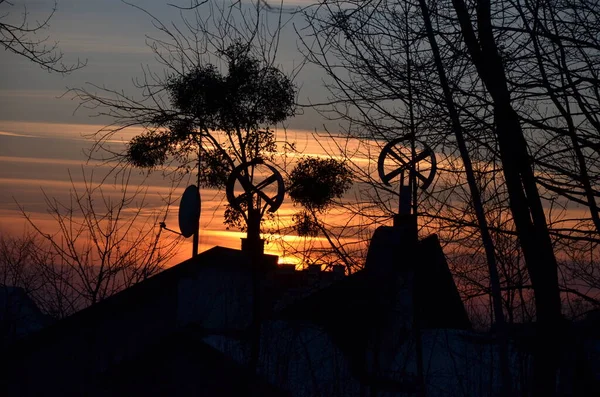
<point x="189" y="211"/>
<point x="256" y="185"/>
<point x="395" y="152"/>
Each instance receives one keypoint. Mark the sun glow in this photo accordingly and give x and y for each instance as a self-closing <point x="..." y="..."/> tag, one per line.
<point x="26" y="176"/>
<point x="25" y="173"/>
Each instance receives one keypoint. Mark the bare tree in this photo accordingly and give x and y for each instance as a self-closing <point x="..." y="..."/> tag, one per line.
<point x="23" y="37"/>
<point x="214" y="107"/>
<point x="517" y="80"/>
<point x="106" y="239"/>
<point x="17" y="261"/>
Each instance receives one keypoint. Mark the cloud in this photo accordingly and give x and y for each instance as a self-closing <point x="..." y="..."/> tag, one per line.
<point x="76" y="131"/>
<point x="45" y="161"/>
<point x="7" y="133"/>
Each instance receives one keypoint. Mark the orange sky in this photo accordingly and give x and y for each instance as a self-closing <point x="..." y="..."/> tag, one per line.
<point x="37" y="156"/>
<point x="41" y="134"/>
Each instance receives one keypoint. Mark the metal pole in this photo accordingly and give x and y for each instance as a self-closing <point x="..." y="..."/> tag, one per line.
<point x="400" y="204"/>
<point x="196" y="238"/>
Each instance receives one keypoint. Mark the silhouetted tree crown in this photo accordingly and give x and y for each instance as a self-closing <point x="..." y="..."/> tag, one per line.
<point x="233" y="111"/>
<point x="240" y="104"/>
<point x="314" y="182"/>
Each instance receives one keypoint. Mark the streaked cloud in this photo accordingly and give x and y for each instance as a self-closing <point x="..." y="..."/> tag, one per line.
<point x="7" y="133"/>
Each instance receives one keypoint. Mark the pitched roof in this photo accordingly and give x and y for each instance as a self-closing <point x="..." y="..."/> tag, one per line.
<point x="364" y="296"/>
<point x="76" y="350"/>
<point x="160" y="285"/>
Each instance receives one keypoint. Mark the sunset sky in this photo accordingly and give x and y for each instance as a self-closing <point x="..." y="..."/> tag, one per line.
<point x="41" y="133"/>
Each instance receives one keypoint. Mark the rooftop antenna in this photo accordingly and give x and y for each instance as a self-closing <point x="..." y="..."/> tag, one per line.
<point x="263" y="190"/>
<point x="401" y="156"/>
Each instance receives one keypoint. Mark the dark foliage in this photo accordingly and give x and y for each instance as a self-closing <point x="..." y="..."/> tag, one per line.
<point x="198" y="94"/>
<point x="215" y="169"/>
<point x="305" y="224"/>
<point x="315" y="183"/>
<point x="148" y="150"/>
<point x="250" y="94"/>
<point x="233" y="218"/>
<point x="238" y="106"/>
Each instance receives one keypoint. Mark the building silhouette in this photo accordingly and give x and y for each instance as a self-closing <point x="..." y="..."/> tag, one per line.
<point x="234" y="323"/>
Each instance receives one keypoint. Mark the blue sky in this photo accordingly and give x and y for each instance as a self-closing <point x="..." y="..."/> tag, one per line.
<point x="111" y="36"/>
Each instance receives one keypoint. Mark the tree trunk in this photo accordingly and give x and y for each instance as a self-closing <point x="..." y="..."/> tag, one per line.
<point x="524" y="199"/>
<point x="488" y="244"/>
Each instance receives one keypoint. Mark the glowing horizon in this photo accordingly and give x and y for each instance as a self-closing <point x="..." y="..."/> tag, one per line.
<point x="28" y="172"/>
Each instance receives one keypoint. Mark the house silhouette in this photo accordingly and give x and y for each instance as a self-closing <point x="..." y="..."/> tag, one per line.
<point x="229" y="322"/>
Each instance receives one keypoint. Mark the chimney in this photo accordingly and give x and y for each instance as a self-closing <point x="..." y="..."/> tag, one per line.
<point x="339" y="271"/>
<point x="286" y="269"/>
<point x="313" y="272"/>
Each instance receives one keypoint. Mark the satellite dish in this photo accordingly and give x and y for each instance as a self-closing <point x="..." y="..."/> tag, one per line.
<point x="189" y="211"/>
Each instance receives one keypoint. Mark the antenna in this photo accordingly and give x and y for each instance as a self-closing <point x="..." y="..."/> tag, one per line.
<point x="420" y="166"/>
<point x="262" y="191"/>
<point x="189" y="212"/>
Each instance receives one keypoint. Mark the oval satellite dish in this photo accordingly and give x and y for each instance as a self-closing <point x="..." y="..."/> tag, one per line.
<point x="189" y="211"/>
